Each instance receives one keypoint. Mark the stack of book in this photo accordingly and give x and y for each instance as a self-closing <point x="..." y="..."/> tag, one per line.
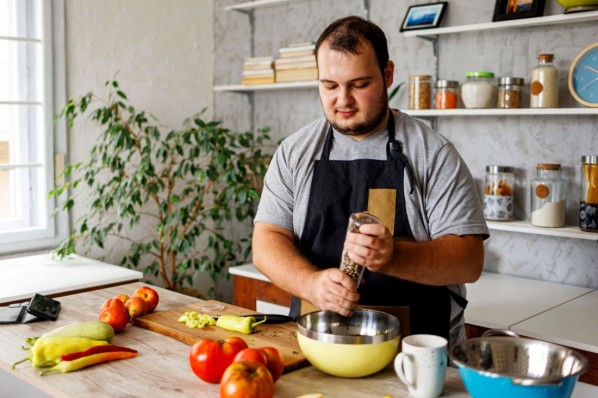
<point x="297" y="62"/>
<point x="258" y="70"/>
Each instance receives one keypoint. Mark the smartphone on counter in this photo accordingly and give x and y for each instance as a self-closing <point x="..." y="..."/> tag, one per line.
<point x="44" y="307"/>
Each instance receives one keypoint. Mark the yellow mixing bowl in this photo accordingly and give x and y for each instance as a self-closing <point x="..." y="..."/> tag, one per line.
<point x="355" y="346"/>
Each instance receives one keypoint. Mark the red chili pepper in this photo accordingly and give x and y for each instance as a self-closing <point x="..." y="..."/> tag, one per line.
<point x="95" y="350"/>
<point x="83" y="359"/>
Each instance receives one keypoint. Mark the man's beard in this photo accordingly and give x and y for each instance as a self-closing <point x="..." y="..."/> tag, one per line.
<point x="370" y="123"/>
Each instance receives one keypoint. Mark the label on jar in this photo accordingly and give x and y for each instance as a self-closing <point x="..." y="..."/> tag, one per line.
<point x="498" y="208"/>
<point x="542" y="191"/>
<point x="536" y="87"/>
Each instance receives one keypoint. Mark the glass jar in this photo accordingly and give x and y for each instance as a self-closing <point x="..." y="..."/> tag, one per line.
<point x="548" y="192"/>
<point x="544" y="87"/>
<point x="498" y="193"/>
<point x="355" y="271"/>
<point x="420" y="92"/>
<point x="588" y="202"/>
<point x="446" y="94"/>
<point x="510" y="92"/>
<point x="479" y="90"/>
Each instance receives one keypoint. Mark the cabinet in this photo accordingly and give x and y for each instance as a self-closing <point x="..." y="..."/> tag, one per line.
<point x="432" y="35"/>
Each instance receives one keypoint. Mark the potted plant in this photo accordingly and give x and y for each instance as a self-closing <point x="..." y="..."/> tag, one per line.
<point x="172" y="197"/>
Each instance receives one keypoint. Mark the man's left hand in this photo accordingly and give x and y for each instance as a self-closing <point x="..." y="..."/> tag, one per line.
<point x="372" y="247"/>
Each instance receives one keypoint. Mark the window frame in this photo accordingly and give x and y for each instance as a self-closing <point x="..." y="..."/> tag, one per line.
<point x="54" y="228"/>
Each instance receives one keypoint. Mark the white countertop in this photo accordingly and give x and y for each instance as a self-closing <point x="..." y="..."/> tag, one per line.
<point x="500" y="301"/>
<point x="574" y="324"/>
<point x="22" y="277"/>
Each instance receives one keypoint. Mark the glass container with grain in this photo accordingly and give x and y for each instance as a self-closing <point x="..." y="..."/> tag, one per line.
<point x="354" y="270"/>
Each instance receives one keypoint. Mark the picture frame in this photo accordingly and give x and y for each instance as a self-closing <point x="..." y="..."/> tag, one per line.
<point x="424" y="16"/>
<point x="505" y="10"/>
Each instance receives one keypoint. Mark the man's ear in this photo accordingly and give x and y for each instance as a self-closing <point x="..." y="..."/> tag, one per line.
<point x="389" y="73"/>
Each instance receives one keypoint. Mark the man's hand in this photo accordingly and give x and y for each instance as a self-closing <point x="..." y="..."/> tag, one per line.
<point x="373" y="247"/>
<point x="333" y="290"/>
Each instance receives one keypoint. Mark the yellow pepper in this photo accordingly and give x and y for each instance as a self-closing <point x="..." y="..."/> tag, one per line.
<point x="241" y="324"/>
<point x="47" y="350"/>
<point x="91" y="356"/>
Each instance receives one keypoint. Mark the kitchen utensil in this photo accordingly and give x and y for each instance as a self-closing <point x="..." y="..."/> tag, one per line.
<point x="421" y="364"/>
<point x="499" y="366"/>
<point x="354" y="346"/>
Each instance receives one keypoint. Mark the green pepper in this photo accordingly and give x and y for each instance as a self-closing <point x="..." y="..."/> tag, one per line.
<point x="241" y="324"/>
<point x="89" y="357"/>
<point x="47" y="350"/>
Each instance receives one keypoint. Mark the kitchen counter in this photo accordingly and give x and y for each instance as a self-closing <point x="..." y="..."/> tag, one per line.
<point x="162" y="370"/>
<point x="22" y="277"/>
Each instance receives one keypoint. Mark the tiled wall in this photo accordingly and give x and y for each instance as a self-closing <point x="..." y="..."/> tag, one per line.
<point x="519" y="141"/>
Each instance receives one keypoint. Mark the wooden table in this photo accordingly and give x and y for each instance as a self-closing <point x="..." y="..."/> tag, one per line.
<point x="162" y="369"/>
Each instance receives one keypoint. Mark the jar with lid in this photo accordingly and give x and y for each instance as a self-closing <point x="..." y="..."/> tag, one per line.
<point x="588" y="202"/>
<point x="420" y="92"/>
<point x="498" y="193"/>
<point x="544" y="86"/>
<point x="446" y="94"/>
<point x="356" y="220"/>
<point x="479" y="90"/>
<point x="548" y="192"/>
<point x="510" y="92"/>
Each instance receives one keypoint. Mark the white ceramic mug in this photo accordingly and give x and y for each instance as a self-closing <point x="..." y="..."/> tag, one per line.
<point x="421" y="364"/>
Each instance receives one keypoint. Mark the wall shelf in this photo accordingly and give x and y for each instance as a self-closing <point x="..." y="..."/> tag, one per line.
<point x="252" y="5"/>
<point x="241" y="88"/>
<point x="539" y="21"/>
<point x="525" y="227"/>
<point x="502" y="112"/>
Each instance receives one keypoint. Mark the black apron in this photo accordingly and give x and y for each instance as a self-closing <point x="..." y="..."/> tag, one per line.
<point x="340" y="188"/>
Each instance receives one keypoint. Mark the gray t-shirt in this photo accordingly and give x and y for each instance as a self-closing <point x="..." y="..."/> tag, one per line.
<point x="444" y="199"/>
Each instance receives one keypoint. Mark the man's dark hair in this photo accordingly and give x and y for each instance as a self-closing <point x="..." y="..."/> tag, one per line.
<point x="346" y="34"/>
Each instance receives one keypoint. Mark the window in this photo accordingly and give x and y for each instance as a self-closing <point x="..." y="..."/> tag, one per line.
<point x="31" y="84"/>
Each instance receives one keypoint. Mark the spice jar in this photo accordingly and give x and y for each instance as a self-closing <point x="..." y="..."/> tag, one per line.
<point x="446" y="94"/>
<point x="498" y="193"/>
<point x="420" y="92"/>
<point x="479" y="90"/>
<point x="510" y="92"/>
<point x="544" y="87"/>
<point x="548" y="192"/>
<point x="355" y="271"/>
<point x="588" y="202"/>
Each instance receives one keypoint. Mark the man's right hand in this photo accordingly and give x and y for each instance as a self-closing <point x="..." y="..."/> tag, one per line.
<point x="332" y="290"/>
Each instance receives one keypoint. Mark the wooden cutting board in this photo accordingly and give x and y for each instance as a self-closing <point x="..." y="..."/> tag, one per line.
<point x="282" y="336"/>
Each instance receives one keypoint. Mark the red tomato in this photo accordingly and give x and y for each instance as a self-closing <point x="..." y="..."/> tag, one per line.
<point x="209" y="358"/>
<point x="274" y="363"/>
<point x="247" y="379"/>
<point x="252" y="354"/>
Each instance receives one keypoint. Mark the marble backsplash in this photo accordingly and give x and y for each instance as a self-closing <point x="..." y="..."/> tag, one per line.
<point x="518" y="141"/>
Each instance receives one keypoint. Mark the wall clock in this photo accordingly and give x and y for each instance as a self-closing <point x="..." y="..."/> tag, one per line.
<point x="583" y="76"/>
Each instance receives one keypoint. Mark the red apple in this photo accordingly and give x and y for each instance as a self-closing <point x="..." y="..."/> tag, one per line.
<point x="149" y="295"/>
<point x="122" y="297"/>
<point x="136" y="306"/>
<point x="115" y="315"/>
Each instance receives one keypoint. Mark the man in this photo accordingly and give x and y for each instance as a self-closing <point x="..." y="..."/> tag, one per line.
<point x="364" y="156"/>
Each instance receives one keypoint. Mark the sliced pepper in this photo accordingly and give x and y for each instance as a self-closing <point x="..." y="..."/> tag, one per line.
<point x="91" y="356"/>
<point x="241" y="324"/>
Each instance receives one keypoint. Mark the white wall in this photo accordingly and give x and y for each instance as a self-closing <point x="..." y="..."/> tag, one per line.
<point x="520" y="141"/>
<point x="161" y="52"/>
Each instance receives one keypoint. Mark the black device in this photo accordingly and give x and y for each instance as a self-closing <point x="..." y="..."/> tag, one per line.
<point x="44" y="307"/>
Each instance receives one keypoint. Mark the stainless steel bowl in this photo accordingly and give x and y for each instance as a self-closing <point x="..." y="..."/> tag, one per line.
<point x="354" y="346"/>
